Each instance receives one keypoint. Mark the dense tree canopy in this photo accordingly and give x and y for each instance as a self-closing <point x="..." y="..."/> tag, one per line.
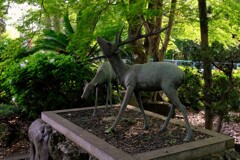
<point x="103" y="18"/>
<point x="70" y="28"/>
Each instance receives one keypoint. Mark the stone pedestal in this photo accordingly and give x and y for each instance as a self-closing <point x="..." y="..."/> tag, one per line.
<point x="48" y="144"/>
<point x="217" y="145"/>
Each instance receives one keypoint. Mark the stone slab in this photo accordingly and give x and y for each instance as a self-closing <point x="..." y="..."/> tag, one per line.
<point x="19" y="157"/>
<point x="97" y="147"/>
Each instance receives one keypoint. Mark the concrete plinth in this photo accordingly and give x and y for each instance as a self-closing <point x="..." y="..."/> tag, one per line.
<point x="102" y="150"/>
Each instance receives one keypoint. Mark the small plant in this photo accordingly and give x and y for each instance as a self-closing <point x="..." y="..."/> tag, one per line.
<point x="3" y="134"/>
<point x="8" y="110"/>
<point x="128" y="121"/>
<point x="171" y="141"/>
<point x="148" y="138"/>
<point x="109" y="131"/>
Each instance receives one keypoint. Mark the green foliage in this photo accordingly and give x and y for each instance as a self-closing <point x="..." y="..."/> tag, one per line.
<point x="52" y="41"/>
<point x="224" y="21"/>
<point x="68" y="29"/>
<point x="225" y="102"/>
<point x="224" y="57"/>
<point x="8" y="110"/>
<point x="46" y="81"/>
<point x="11" y="48"/>
<point x="186" y="48"/>
<point x="191" y="93"/>
<point x="88" y="19"/>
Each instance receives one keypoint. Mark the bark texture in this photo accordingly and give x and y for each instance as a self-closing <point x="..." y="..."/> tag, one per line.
<point x="207" y="73"/>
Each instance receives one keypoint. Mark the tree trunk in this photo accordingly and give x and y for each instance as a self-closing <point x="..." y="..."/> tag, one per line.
<point x="169" y="30"/>
<point x="151" y="43"/>
<point x="154" y="24"/>
<point x="207" y="74"/>
<point x="136" y="46"/>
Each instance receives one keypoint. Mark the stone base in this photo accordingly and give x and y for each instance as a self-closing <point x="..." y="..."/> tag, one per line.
<point x="216" y="144"/>
<point x="62" y="148"/>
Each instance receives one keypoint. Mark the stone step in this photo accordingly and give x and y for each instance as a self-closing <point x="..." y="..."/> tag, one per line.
<point x="19" y="157"/>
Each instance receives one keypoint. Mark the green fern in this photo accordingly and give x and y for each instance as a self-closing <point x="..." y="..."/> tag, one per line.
<point x="67" y="25"/>
<point x="56" y="41"/>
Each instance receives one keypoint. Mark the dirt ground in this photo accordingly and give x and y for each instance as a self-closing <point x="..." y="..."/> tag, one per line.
<point x="18" y="143"/>
<point x="231" y="128"/>
<point x="129" y="134"/>
<point x="16" y="140"/>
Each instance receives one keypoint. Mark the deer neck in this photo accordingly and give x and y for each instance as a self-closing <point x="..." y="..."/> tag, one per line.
<point x="98" y="79"/>
<point x="94" y="82"/>
<point x="119" y="67"/>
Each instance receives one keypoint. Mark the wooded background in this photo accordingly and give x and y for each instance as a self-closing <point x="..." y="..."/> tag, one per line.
<point x="201" y="30"/>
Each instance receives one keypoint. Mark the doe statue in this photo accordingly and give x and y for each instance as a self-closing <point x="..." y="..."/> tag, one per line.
<point x="152" y="76"/>
<point x="104" y="76"/>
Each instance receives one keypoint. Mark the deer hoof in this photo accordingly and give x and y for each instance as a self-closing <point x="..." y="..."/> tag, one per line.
<point x="187" y="139"/>
<point x="146" y="127"/>
<point x="163" y="129"/>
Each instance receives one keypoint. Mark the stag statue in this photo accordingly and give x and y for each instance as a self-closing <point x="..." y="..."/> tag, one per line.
<point x="153" y="76"/>
<point x="104" y="76"/>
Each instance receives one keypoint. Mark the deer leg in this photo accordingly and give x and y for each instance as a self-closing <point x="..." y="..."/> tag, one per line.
<point x="118" y="92"/>
<point x="96" y="99"/>
<point x="107" y="88"/>
<point x="172" y="95"/>
<point x="140" y="105"/>
<point x="164" y="127"/>
<point x="110" y="93"/>
<point x="126" y="99"/>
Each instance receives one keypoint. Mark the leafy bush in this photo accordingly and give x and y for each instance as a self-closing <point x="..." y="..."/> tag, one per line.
<point x="46" y="81"/>
<point x="8" y="110"/>
<point x="225" y="102"/>
<point x="190" y="93"/>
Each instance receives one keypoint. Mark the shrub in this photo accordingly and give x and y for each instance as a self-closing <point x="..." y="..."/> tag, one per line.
<point x="46" y="81"/>
<point x="223" y="103"/>
<point x="8" y="110"/>
<point x="190" y="93"/>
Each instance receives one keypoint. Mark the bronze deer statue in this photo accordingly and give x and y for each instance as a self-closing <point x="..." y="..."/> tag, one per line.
<point x="153" y="76"/>
<point x="104" y="76"/>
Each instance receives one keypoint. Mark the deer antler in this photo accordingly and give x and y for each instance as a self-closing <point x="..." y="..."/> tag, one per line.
<point x="118" y="36"/>
<point x="137" y="36"/>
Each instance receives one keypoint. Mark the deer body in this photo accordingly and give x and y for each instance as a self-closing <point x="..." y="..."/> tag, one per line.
<point x="104" y="76"/>
<point x="153" y="76"/>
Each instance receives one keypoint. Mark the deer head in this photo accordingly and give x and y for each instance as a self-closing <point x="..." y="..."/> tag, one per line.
<point x="87" y="89"/>
<point x="109" y="49"/>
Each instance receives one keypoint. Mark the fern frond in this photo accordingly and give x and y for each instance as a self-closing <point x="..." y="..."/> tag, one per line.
<point x="68" y="27"/>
